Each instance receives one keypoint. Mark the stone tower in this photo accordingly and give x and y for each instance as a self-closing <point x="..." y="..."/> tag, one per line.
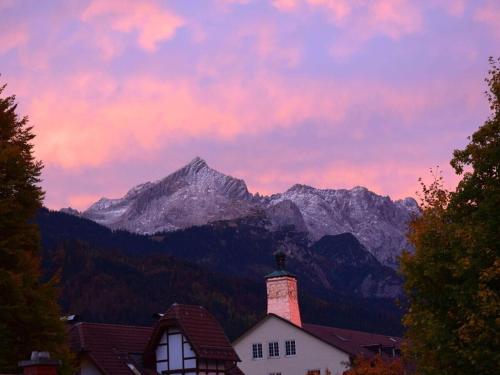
<point x="282" y="298"/>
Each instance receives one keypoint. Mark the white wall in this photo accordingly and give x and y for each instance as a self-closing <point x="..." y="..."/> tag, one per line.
<point x="88" y="368"/>
<point x="312" y="353"/>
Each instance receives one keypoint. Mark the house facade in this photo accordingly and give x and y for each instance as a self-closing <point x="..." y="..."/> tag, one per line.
<point x="275" y="346"/>
<point x="186" y="340"/>
<point x="281" y="343"/>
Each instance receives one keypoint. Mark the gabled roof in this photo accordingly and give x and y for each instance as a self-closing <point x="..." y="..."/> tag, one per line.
<point x="110" y="346"/>
<point x="354" y="342"/>
<point x="202" y="330"/>
<point x="349" y="341"/>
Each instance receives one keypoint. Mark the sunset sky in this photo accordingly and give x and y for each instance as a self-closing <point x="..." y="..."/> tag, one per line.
<point x="329" y="93"/>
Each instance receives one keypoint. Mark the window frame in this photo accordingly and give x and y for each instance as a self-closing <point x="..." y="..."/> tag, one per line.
<point x="275" y="351"/>
<point x="294" y="347"/>
<point x="261" y="352"/>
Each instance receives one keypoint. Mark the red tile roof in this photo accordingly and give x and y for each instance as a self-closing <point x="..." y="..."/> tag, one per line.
<point x="110" y="346"/>
<point x="355" y="342"/>
<point x="349" y="341"/>
<point x="202" y="330"/>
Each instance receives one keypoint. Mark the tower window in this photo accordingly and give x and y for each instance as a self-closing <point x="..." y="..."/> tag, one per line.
<point x="290" y="348"/>
<point x="256" y="351"/>
<point x="274" y="350"/>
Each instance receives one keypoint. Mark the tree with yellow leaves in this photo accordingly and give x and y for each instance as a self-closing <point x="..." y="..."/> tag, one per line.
<point x="453" y="277"/>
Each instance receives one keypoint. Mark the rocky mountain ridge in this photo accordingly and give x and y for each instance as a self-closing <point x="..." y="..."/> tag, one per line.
<point x="197" y="194"/>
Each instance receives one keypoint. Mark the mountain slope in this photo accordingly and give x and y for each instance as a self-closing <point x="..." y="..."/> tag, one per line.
<point x="193" y="195"/>
<point x="197" y="194"/>
<point x="351" y="265"/>
<point x="116" y="276"/>
<point x="379" y="223"/>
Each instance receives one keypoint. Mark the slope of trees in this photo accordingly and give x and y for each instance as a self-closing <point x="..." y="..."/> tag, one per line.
<point x="118" y="277"/>
<point x="453" y="278"/>
<point x="29" y="313"/>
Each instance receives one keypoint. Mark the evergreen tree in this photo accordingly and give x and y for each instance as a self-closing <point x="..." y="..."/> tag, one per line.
<point x="453" y="278"/>
<point x="29" y="313"/>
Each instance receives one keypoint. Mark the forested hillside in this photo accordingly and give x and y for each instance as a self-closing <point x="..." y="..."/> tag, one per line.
<point x="124" y="278"/>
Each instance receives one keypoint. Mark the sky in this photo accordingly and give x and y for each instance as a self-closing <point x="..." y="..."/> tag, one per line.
<point x="328" y="93"/>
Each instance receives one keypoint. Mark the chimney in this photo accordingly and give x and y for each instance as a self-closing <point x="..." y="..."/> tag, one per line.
<point x="40" y="364"/>
<point x="282" y="298"/>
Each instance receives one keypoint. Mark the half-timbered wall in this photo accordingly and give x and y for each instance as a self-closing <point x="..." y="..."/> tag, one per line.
<point x="211" y="367"/>
<point x="174" y="354"/>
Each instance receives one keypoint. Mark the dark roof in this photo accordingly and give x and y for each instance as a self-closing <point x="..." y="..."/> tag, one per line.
<point x="110" y="346"/>
<point x="202" y="330"/>
<point x="279" y="273"/>
<point x="233" y="369"/>
<point x="349" y="341"/>
<point x="355" y="342"/>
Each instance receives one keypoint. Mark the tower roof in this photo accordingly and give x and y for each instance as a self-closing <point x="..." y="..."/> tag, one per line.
<point x="280" y="267"/>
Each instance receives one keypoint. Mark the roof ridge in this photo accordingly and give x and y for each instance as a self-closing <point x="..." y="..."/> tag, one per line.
<point x="79" y="324"/>
<point x="354" y="330"/>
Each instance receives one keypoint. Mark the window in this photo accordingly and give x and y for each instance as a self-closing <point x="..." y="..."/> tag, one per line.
<point x="290" y="347"/>
<point x="274" y="350"/>
<point x="256" y="351"/>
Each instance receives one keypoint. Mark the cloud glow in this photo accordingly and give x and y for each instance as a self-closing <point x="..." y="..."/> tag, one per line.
<point x="331" y="93"/>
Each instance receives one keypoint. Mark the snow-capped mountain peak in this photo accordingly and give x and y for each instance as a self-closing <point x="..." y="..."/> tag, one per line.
<point x="197" y="194"/>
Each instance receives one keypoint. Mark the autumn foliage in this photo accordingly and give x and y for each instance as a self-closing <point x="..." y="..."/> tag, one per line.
<point x="453" y="277"/>
<point x="376" y="366"/>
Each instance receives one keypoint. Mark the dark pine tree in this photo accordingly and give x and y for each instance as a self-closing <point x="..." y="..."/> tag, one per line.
<point x="29" y="313"/>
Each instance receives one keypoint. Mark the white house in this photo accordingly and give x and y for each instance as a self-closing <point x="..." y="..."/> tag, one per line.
<point x="280" y="344"/>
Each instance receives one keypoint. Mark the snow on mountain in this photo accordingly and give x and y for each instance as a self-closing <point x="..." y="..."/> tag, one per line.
<point x="379" y="223"/>
<point x="197" y="194"/>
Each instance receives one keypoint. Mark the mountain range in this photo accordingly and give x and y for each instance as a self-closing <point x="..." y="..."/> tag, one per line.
<point x="197" y="195"/>
<point x="117" y="276"/>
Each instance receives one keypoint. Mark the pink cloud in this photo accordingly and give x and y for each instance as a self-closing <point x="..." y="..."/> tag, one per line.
<point x="260" y="76"/>
<point x="489" y="14"/>
<point x="453" y="7"/>
<point x="267" y="45"/>
<point x="392" y="18"/>
<point x="81" y="124"/>
<point x="148" y="19"/>
<point x="82" y="201"/>
<point x="337" y="9"/>
<point x="359" y="21"/>
<point x="11" y="39"/>
<point x="395" y="178"/>
<point x="91" y="123"/>
<point x="285" y="5"/>
<point x="5" y="4"/>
